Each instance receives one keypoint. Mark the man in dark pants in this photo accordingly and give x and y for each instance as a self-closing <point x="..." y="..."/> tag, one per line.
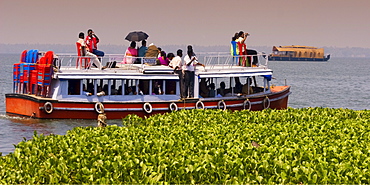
<point x="190" y="61"/>
<point x="176" y="64"/>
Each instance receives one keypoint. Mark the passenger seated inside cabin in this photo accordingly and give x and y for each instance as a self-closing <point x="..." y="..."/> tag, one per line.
<point x="170" y="87"/>
<point x="84" y="91"/>
<point x="113" y="91"/>
<point x="105" y="89"/>
<point x="140" y="92"/>
<point x="90" y="88"/>
<point x="129" y="91"/>
<point x="238" y="86"/>
<point x="222" y="91"/>
<point x="247" y="88"/>
<point x="120" y="90"/>
<point x="203" y="89"/>
<point x="144" y="86"/>
<point x="212" y="91"/>
<point x="157" y="89"/>
<point x="100" y="91"/>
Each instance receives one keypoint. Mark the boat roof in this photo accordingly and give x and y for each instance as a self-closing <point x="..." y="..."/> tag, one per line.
<point x="215" y="67"/>
<point x="294" y="48"/>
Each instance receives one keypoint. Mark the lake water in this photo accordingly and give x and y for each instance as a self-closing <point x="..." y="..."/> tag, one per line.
<point x="339" y="83"/>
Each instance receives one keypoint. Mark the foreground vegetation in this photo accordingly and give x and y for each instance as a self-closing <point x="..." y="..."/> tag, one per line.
<point x="311" y="145"/>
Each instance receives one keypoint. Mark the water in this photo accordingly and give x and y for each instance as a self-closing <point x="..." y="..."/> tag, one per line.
<point x="341" y="82"/>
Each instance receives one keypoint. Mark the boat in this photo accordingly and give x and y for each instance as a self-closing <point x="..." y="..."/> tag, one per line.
<point x="47" y="85"/>
<point x="298" y="53"/>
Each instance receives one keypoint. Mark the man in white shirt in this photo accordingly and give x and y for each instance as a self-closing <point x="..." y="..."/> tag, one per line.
<point x="87" y="53"/>
<point x="176" y="64"/>
<point x="190" y="61"/>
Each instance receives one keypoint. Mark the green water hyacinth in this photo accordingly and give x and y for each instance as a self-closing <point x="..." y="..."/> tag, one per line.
<point x="308" y="145"/>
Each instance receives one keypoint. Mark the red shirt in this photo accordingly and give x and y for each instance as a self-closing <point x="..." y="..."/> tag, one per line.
<point x="91" y="42"/>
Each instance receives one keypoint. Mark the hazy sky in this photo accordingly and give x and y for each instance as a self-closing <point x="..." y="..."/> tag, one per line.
<point x="338" y="23"/>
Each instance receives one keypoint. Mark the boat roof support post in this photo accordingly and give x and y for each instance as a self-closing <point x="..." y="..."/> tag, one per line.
<point x="136" y="86"/>
<point x="249" y="79"/>
<point x="95" y="86"/>
<point x="196" y="86"/>
<point x="123" y="85"/>
<point x="164" y="87"/>
<point x="232" y="84"/>
<point x="109" y="87"/>
<point x="81" y="87"/>
<point x="150" y="87"/>
<point x="178" y="88"/>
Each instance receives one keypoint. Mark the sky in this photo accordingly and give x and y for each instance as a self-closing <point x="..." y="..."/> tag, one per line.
<point x="330" y="23"/>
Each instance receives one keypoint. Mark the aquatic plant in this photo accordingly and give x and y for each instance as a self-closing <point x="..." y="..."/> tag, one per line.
<point x="309" y="145"/>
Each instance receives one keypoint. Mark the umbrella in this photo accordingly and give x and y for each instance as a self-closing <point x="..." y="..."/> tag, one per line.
<point x="136" y="36"/>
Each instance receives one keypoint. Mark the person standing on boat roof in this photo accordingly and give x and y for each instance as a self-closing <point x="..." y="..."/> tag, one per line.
<point x="87" y="52"/>
<point x="242" y="47"/>
<point x="176" y="64"/>
<point x="190" y="61"/>
<point x="92" y="41"/>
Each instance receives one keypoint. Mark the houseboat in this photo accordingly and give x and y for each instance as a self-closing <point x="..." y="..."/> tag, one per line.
<point x="298" y="53"/>
<point x="56" y="86"/>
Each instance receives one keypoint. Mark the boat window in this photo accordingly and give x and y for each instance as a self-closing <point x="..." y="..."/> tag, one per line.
<point x="207" y="87"/>
<point x="224" y="87"/>
<point x="117" y="87"/>
<point x="102" y="86"/>
<point x="157" y="87"/>
<point x="144" y="86"/>
<point x="123" y="87"/>
<point x="87" y="86"/>
<point x="73" y="87"/>
<point x="170" y="87"/>
<point x="130" y="87"/>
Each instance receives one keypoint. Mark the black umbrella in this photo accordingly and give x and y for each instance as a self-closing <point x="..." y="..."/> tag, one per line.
<point x="136" y="36"/>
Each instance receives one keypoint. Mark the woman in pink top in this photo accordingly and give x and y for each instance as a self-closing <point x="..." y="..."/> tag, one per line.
<point x="163" y="60"/>
<point x="130" y="53"/>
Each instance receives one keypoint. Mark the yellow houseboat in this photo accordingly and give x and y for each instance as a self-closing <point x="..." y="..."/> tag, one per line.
<point x="298" y="53"/>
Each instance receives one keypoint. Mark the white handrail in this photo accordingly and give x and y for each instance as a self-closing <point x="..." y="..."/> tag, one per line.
<point x="224" y="61"/>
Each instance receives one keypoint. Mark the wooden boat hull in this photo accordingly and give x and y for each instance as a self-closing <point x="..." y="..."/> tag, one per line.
<point x="45" y="108"/>
<point x="278" y="58"/>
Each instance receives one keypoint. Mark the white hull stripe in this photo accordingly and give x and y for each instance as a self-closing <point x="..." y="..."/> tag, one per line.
<point x="161" y="109"/>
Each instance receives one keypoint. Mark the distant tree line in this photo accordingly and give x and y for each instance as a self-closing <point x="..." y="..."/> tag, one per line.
<point x="120" y="49"/>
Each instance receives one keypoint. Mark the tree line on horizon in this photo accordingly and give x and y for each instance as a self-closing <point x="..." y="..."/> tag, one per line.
<point x="120" y="49"/>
